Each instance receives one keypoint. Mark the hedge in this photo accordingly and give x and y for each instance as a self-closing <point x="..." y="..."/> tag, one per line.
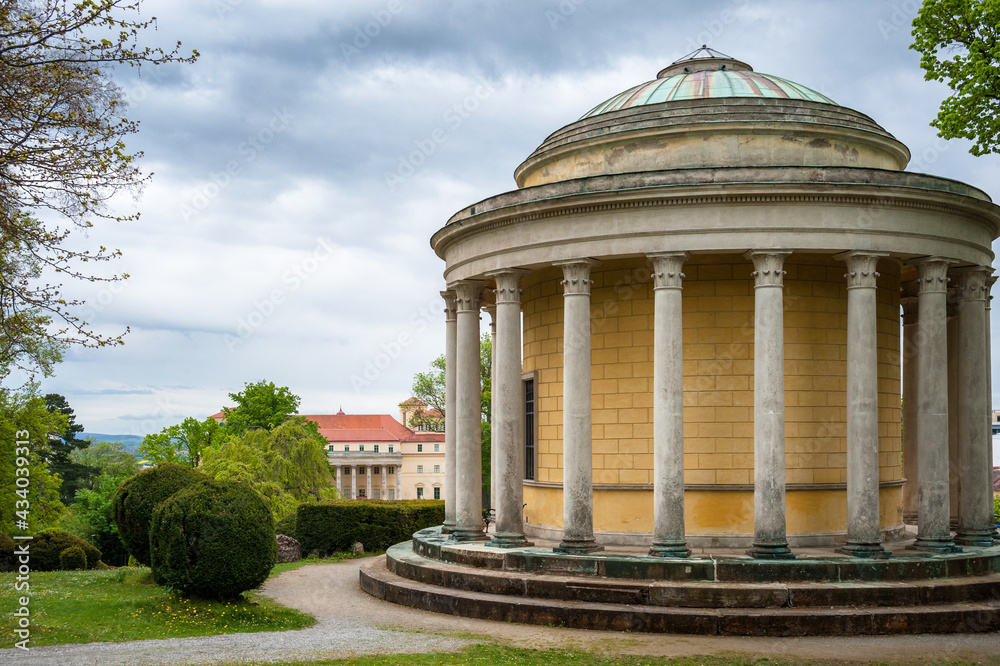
<point x="213" y="539"/>
<point x="45" y="547"/>
<point x="335" y="526"/>
<point x="136" y="497"/>
<point x="286" y="525"/>
<point x="7" y="546"/>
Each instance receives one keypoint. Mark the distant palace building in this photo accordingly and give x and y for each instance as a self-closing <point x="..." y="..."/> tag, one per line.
<point x="376" y="456"/>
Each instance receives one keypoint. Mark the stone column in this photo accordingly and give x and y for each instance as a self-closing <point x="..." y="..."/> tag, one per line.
<point x="340" y="490"/>
<point x="990" y="281"/>
<point x="399" y="480"/>
<point x="368" y="481"/>
<point x="668" y="407"/>
<point x="468" y="416"/>
<point x="508" y="412"/>
<point x="863" y="538"/>
<point x="769" y="541"/>
<point x="910" y="467"/>
<point x="953" y="381"/>
<point x="451" y="332"/>
<point x="933" y="512"/>
<point x="491" y="310"/>
<point x="578" y="464"/>
<point x="354" y="482"/>
<point x="975" y="495"/>
<point x="385" y="482"/>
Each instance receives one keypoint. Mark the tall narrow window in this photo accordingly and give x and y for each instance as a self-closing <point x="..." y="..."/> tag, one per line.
<point x="437" y="448"/>
<point x="376" y="470"/>
<point x="529" y="429"/>
<point x="420" y="493"/>
<point x="437" y="492"/>
<point x="376" y="448"/>
<point x="420" y="469"/>
<point x="420" y="448"/>
<point x="437" y="469"/>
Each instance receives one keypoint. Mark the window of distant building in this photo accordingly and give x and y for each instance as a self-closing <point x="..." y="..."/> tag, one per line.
<point x="361" y="447"/>
<point x="361" y="493"/>
<point x="347" y="469"/>
<point x="361" y="469"/>
<point x="375" y="493"/>
<point x="347" y="494"/>
<point x="420" y="448"/>
<point x="390" y="448"/>
<point x="420" y="469"/>
<point x="376" y="448"/>
<point x="392" y="469"/>
<point x="420" y="493"/>
<point x="392" y="494"/>
<point x="347" y="447"/>
<point x="437" y="448"/>
<point x="437" y="492"/>
<point x="376" y="470"/>
<point x="437" y="469"/>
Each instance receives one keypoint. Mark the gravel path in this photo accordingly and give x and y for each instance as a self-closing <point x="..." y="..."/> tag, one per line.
<point x="327" y="591"/>
<point x="352" y="623"/>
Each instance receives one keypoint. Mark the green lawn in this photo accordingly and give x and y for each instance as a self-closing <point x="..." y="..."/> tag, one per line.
<point x="493" y="655"/>
<point x="125" y="605"/>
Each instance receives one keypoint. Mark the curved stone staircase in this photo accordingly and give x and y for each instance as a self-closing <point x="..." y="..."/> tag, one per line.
<point x="729" y="595"/>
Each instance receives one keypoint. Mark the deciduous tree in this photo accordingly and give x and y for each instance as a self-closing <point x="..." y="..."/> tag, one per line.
<point x="260" y="405"/>
<point x="959" y="44"/>
<point x="62" y="158"/>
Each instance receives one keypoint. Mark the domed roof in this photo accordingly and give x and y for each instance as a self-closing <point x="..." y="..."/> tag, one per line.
<point x="707" y="74"/>
<point x="709" y="109"/>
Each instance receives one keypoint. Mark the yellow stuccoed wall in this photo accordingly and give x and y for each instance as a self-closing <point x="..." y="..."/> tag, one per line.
<point x="718" y="393"/>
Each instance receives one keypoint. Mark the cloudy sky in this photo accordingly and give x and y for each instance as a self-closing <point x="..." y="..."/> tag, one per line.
<point x="284" y="235"/>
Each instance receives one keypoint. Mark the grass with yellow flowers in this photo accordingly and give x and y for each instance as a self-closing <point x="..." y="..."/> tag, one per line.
<point x="125" y="605"/>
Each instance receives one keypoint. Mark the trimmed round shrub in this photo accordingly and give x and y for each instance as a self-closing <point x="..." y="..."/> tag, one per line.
<point x="133" y="503"/>
<point x="72" y="559"/>
<point x="7" y="546"/>
<point x="214" y="539"/>
<point x="45" y="548"/>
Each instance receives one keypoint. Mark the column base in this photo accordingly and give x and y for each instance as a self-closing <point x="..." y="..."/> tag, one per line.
<point x="872" y="551"/>
<point x="577" y="547"/>
<point x="669" y="549"/>
<point x="771" y="551"/>
<point x="975" y="538"/>
<point x="509" y="540"/>
<point x="938" y="546"/>
<point x="464" y="536"/>
<point x="447" y="528"/>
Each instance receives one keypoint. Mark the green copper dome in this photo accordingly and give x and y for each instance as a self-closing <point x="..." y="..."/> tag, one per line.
<point x="711" y="76"/>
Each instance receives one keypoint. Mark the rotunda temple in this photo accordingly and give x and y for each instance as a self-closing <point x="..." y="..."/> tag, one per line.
<point x="696" y="292"/>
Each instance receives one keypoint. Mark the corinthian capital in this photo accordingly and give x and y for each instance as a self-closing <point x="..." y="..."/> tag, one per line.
<point x="576" y="276"/>
<point x="972" y="282"/>
<point x="667" y="269"/>
<point x="767" y="265"/>
<point x="467" y="294"/>
<point x="508" y="284"/>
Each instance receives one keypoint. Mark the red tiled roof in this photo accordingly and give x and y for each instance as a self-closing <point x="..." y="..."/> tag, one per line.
<point x="360" y="427"/>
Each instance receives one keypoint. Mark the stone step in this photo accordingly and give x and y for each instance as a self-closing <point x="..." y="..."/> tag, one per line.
<point x="902" y="566"/>
<point x="966" y="617"/>
<point x="402" y="561"/>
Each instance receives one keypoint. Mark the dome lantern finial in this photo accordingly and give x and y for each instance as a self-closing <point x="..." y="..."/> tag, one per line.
<point x="704" y="59"/>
